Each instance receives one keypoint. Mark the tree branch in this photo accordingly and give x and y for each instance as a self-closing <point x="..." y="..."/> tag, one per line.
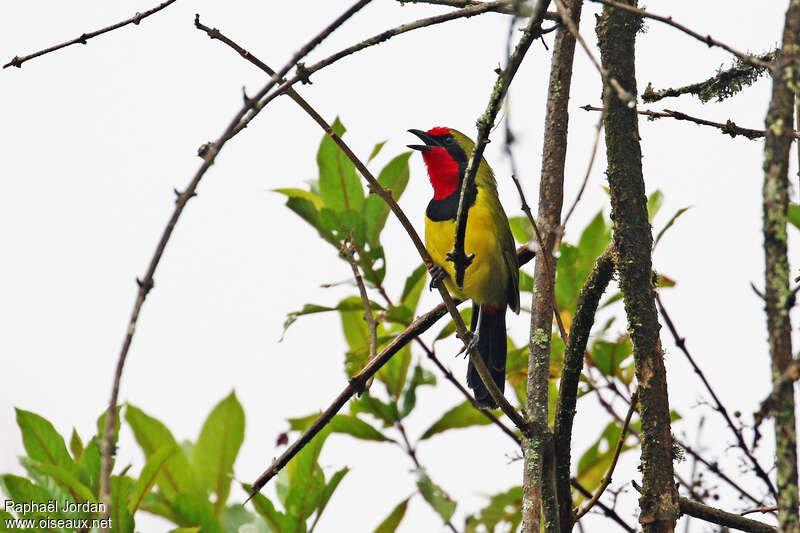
<point x="729" y="128"/>
<point x="633" y="240"/>
<point x="723" y="84"/>
<point x="609" y="512"/>
<point x="146" y="283"/>
<point x="753" y="60"/>
<point x="723" y="518"/>
<point x="680" y="342"/>
<point x="585" y="310"/>
<point x="607" y="477"/>
<point x="778" y="296"/>
<point x="82" y="38"/>
<point x="369" y="318"/>
<point x="484" y="124"/>
<point x="387" y="197"/>
<point x="510" y="7"/>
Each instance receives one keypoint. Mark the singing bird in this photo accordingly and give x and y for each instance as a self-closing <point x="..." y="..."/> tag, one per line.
<point x="491" y="281"/>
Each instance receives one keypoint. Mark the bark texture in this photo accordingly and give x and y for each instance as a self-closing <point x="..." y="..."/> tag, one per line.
<point x="616" y="31"/>
<point x="778" y="296"/>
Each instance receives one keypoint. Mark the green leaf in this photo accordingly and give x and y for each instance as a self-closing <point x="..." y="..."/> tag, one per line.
<point x="654" y="203"/>
<point x="235" y="516"/>
<point x="349" y="304"/>
<point x="89" y="466"/>
<point x="75" y="444"/>
<point x="794" y="215"/>
<point x="521" y="228"/>
<point x="330" y="488"/>
<point x="196" y="510"/>
<point x="276" y="520"/>
<point x="347" y="424"/>
<point x="216" y="449"/>
<point x="64" y="478"/>
<point x="120" y="517"/>
<point x="375" y="151"/>
<point x="670" y="223"/>
<point x="193" y="529"/>
<point x="461" y="416"/>
<point x="394" y="372"/>
<point x="418" y="378"/>
<point x="151" y="434"/>
<point x="413" y="289"/>
<point x="42" y="442"/>
<point x="22" y="491"/>
<point x="155" y="503"/>
<point x="306" y="209"/>
<point x="576" y="262"/>
<point x="315" y="199"/>
<point x="101" y="424"/>
<point x="339" y="185"/>
<point x="390" y="523"/>
<point x="517" y="370"/>
<point x="375" y="211"/>
<point x="608" y="356"/>
<point x="504" y="508"/>
<point x="356" y="333"/>
<point x="434" y="495"/>
<point x="594" y="463"/>
<point x="450" y="328"/>
<point x="386" y="412"/>
<point x="306" y="480"/>
<point x="150" y="472"/>
<point x="525" y="282"/>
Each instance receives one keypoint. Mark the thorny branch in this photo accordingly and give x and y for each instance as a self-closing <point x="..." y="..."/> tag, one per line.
<point x="82" y="38"/>
<point x="753" y="60"/>
<point x="729" y="128"/>
<point x="146" y="283"/>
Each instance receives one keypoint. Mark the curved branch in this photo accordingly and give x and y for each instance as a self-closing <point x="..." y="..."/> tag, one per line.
<point x="723" y="518"/>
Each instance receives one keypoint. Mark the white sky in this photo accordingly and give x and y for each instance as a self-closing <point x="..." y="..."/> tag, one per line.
<point x="96" y="137"/>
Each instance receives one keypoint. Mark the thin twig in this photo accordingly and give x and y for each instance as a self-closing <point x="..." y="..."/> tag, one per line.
<point x="524" y="255"/>
<point x="510" y="7"/>
<point x="762" y="510"/>
<point x="723" y="84"/>
<point x="82" y="38"/>
<point x="595" y="144"/>
<point x="608" y="511"/>
<point x="729" y="128"/>
<point x="622" y="94"/>
<point x="607" y="478"/>
<point x="680" y="342"/>
<point x="146" y="283"/>
<point x="753" y="60"/>
<point x="372" y="324"/>
<point x="304" y="73"/>
<point x="723" y="518"/>
<point x="485" y="123"/>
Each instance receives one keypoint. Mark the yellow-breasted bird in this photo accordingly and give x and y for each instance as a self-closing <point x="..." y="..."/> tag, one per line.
<point x="491" y="281"/>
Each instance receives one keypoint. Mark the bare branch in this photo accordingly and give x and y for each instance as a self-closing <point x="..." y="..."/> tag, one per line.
<point x="723" y="518"/>
<point x="753" y="60"/>
<point x="511" y="7"/>
<point x="608" y="511"/>
<point x="595" y="144"/>
<point x="680" y="342"/>
<point x="146" y="282"/>
<point x="369" y="318"/>
<point x="762" y="510"/>
<point x="729" y="128"/>
<point x="82" y="38"/>
<point x="607" y="478"/>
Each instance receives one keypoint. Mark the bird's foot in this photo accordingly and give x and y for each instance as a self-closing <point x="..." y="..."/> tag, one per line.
<point x="437" y="274"/>
<point x="471" y="344"/>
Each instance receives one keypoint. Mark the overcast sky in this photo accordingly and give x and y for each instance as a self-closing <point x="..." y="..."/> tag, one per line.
<point x="96" y="137"/>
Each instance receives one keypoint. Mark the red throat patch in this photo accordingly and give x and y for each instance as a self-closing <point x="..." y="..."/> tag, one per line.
<point x="442" y="171"/>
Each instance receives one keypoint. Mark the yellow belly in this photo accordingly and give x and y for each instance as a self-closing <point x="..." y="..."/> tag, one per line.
<point x="486" y="279"/>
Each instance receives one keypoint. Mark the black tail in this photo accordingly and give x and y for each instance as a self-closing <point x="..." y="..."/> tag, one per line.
<point x="492" y="346"/>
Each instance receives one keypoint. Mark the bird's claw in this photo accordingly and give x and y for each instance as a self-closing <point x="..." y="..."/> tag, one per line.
<point x="437" y="274"/>
<point x="470" y="345"/>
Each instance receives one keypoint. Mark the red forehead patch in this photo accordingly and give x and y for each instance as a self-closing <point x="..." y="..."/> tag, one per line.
<point x="439" y="130"/>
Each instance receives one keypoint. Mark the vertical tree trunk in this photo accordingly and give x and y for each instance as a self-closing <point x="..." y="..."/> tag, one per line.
<point x="616" y="31"/>
<point x="779" y="299"/>
<point x="539" y="474"/>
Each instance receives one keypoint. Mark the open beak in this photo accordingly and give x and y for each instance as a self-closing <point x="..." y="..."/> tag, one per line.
<point x="424" y="137"/>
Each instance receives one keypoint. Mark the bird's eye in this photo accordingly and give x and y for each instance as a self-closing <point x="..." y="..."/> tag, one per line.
<point x="449" y="140"/>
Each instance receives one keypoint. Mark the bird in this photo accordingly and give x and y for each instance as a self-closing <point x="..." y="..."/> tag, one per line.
<point x="491" y="280"/>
